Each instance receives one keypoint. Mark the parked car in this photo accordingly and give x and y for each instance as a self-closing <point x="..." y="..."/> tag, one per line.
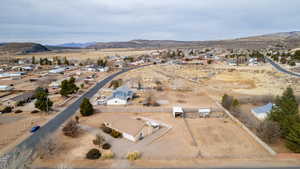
<point x="34" y="129"/>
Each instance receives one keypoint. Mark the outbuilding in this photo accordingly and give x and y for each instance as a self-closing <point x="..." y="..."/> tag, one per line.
<point x="177" y="112"/>
<point x="204" y="112"/>
<point x="5" y="88"/>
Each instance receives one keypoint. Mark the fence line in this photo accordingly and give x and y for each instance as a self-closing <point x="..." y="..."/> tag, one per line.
<point x="104" y="109"/>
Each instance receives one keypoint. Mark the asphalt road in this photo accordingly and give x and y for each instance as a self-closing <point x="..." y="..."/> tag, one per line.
<point x="281" y="69"/>
<point x="204" y="168"/>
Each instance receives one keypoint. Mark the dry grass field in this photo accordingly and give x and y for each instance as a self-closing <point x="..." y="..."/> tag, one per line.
<point x="215" y="137"/>
<point x="82" y="54"/>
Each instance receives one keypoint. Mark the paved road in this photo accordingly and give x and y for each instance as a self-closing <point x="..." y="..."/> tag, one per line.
<point x="281" y="69"/>
<point x="57" y="121"/>
<point x="206" y="168"/>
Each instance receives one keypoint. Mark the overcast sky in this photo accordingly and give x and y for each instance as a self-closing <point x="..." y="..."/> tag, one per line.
<point x="60" y="21"/>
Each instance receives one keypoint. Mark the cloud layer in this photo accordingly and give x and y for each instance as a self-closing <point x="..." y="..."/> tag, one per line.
<point x="59" y="21"/>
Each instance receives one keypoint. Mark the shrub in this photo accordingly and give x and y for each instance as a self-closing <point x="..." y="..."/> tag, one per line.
<point x="107" y="155"/>
<point x="106" y="130"/>
<point x="93" y="154"/>
<point x="116" y="134"/>
<point x="18" y="111"/>
<point x="133" y="156"/>
<point x="116" y="83"/>
<point x="48" y="147"/>
<point x="35" y="111"/>
<point x="20" y="103"/>
<point x="71" y="129"/>
<point x="227" y="101"/>
<point x="106" y="146"/>
<point x="7" y="109"/>
<point x="99" y="140"/>
<point x="77" y="119"/>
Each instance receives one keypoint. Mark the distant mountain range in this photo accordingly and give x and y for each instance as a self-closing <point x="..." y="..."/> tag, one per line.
<point x="76" y="45"/>
<point x="21" y="48"/>
<point x="283" y="40"/>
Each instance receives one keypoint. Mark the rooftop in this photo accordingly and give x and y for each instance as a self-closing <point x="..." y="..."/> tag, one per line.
<point x="125" y="124"/>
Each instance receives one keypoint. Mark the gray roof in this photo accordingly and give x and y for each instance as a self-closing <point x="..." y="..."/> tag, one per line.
<point x="23" y="97"/>
<point x="263" y="109"/>
<point x="123" y="93"/>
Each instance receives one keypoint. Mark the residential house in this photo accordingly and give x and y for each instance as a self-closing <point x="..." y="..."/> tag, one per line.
<point x="132" y="129"/>
<point x="57" y="70"/>
<point x="5" y="88"/>
<point x="120" y="96"/>
<point x="25" y="97"/>
<point x="262" y="112"/>
<point x="15" y="74"/>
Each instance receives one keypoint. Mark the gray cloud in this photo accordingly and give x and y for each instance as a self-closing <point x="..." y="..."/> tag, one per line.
<point x="59" y="21"/>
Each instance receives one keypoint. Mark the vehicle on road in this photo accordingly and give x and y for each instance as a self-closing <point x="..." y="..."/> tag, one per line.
<point x="34" y="129"/>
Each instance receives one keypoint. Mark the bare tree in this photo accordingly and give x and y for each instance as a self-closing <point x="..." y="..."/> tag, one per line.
<point x="269" y="131"/>
<point x="48" y="147"/>
<point x="71" y="129"/>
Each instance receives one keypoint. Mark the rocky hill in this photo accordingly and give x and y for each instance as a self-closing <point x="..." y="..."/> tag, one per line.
<point x="286" y="40"/>
<point x="22" y="48"/>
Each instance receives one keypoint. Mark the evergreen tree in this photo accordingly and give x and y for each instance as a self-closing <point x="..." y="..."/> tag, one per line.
<point x="66" y="62"/>
<point x="293" y="138"/>
<point x="287" y="102"/>
<point x="68" y="87"/>
<point x="86" y="108"/>
<point x="286" y="111"/>
<point x="43" y="102"/>
<point x="58" y="61"/>
<point x="102" y="62"/>
<point x="33" y="60"/>
<point x="286" y="114"/>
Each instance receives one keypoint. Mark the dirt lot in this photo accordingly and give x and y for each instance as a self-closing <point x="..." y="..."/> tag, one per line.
<point x="16" y="127"/>
<point x="215" y="138"/>
<point x="82" y="54"/>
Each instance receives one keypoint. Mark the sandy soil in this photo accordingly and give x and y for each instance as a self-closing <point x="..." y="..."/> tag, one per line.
<point x="16" y="127"/>
<point x="82" y="54"/>
<point x="214" y="139"/>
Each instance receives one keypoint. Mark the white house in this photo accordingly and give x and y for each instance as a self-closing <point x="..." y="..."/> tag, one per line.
<point x="16" y="74"/>
<point x="120" y="96"/>
<point x="204" y="112"/>
<point x="58" y="70"/>
<point x="177" y="111"/>
<point x="103" y="69"/>
<point x="5" y="88"/>
<point x="262" y="112"/>
<point x="55" y="85"/>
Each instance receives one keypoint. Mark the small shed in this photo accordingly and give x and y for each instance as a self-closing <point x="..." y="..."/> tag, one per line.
<point x="177" y="112"/>
<point x="204" y="112"/>
<point x="5" y="88"/>
<point x="262" y="112"/>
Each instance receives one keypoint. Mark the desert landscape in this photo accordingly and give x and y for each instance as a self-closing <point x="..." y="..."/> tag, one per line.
<point x="149" y="84"/>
